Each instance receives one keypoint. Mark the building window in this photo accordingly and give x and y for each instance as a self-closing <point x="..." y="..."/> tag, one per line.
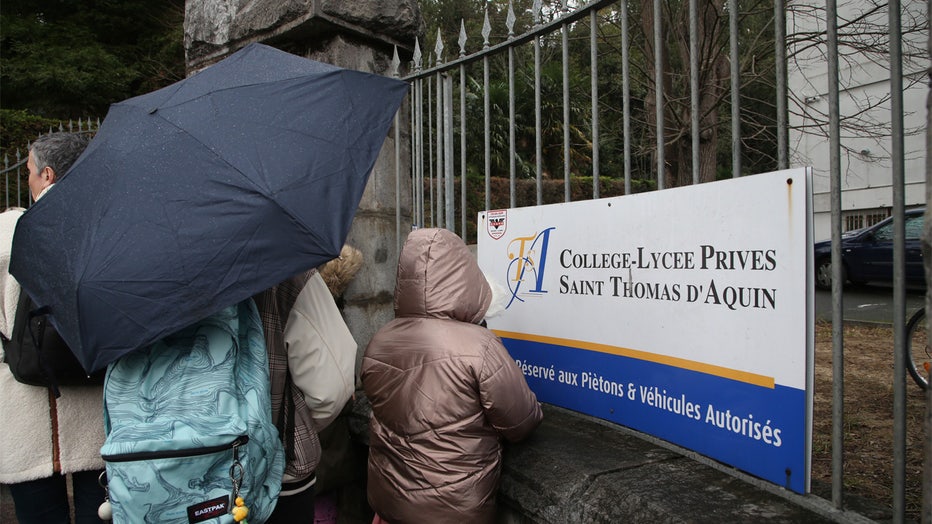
<point x="864" y="218"/>
<point x="873" y="218"/>
<point x="853" y="222"/>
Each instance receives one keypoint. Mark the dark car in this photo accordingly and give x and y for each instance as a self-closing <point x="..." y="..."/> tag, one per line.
<point x="867" y="253"/>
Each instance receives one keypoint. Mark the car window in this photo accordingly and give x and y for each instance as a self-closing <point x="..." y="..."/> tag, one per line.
<point x="913" y="229"/>
<point x="884" y="233"/>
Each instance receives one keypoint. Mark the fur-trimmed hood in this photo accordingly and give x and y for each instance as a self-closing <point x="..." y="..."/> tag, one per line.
<point x="339" y="272"/>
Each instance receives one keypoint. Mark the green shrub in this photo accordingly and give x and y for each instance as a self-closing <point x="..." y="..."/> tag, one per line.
<point x="19" y="127"/>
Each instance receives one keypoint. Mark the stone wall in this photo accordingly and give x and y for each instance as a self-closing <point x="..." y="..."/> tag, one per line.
<point x="577" y="469"/>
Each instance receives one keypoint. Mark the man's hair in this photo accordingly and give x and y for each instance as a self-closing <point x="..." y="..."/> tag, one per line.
<point x="58" y="151"/>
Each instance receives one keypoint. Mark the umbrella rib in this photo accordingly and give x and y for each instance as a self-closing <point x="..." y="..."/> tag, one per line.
<point x="169" y="104"/>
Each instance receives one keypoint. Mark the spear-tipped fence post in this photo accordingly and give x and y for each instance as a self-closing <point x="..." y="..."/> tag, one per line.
<point x="486" y="31"/>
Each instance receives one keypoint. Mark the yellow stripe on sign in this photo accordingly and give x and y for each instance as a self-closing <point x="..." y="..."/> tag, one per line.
<point x="692" y="365"/>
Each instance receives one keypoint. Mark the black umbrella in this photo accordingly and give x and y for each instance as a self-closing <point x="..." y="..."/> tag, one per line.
<point x="201" y="194"/>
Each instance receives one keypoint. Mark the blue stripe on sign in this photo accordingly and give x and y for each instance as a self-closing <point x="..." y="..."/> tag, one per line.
<point x="756" y="429"/>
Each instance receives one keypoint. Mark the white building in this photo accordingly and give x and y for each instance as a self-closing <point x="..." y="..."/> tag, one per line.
<point x="864" y="105"/>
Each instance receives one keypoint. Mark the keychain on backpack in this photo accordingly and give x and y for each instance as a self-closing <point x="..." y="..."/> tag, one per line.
<point x="239" y="510"/>
<point x="105" y="511"/>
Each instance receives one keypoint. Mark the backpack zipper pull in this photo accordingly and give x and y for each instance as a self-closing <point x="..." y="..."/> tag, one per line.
<point x="239" y="509"/>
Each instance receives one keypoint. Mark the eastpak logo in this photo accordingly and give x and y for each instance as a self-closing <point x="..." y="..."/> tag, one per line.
<point x="208" y="509"/>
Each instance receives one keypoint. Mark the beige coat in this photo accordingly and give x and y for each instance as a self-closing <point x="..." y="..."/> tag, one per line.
<point x="41" y="435"/>
<point x="444" y="391"/>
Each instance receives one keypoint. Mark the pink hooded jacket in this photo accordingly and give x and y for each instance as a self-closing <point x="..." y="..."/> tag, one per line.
<point x="444" y="391"/>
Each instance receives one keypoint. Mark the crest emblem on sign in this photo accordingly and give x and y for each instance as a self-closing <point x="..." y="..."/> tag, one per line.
<point x="496" y="222"/>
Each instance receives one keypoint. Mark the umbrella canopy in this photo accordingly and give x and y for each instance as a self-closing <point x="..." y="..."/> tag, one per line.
<point x="201" y="194"/>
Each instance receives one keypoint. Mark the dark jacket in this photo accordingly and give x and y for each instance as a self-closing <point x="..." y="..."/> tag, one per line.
<point x="444" y="391"/>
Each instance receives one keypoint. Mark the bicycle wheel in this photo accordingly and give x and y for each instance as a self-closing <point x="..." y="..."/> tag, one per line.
<point x="918" y="354"/>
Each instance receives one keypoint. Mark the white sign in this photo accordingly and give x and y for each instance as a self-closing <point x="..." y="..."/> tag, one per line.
<point x="680" y="313"/>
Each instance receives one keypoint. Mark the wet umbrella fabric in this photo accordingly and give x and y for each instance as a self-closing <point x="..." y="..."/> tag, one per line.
<point x="201" y="194"/>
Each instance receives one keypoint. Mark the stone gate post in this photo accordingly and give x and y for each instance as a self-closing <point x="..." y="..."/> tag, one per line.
<point x="357" y="35"/>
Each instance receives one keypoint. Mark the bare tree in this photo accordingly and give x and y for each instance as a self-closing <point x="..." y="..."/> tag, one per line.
<point x="863" y="56"/>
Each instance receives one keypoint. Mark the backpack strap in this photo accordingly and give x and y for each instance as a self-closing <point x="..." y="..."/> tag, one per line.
<point x="37" y="342"/>
<point x="285" y="421"/>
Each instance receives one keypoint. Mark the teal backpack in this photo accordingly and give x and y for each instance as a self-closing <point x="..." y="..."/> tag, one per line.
<point x="189" y="428"/>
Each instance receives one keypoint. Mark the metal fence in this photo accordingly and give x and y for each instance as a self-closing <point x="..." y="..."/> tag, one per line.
<point x="468" y="134"/>
<point x="14" y="173"/>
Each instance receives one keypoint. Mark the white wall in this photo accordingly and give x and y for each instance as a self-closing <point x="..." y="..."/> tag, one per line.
<point x="866" y="166"/>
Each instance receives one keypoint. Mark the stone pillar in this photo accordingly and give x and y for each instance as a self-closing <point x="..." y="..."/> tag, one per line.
<point x="357" y="35"/>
